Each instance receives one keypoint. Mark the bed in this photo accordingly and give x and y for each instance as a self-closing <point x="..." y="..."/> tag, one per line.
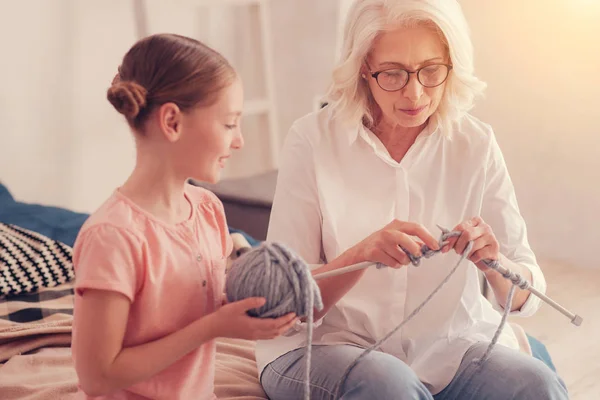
<point x="35" y="320"/>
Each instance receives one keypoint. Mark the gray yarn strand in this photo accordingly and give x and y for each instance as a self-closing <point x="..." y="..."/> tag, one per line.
<point x="517" y="281"/>
<point x="411" y="315"/>
<point x="505" y="314"/>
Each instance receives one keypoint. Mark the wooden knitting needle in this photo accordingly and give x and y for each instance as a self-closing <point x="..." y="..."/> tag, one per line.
<point x="350" y="268"/>
<point x="339" y="271"/>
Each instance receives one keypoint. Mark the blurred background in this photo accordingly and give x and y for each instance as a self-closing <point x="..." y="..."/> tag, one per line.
<point x="63" y="144"/>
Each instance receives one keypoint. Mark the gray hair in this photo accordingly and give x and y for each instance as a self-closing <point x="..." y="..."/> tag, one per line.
<point x="349" y="95"/>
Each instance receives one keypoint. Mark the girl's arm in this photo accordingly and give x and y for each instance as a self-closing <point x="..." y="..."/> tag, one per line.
<point x="104" y="366"/>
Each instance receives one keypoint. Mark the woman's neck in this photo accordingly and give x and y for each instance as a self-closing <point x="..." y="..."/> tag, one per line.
<point x="397" y="139"/>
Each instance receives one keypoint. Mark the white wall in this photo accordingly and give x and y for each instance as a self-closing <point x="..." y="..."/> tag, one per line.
<point x="36" y="151"/>
<point x="59" y="56"/>
<point x="539" y="57"/>
<point x="541" y="60"/>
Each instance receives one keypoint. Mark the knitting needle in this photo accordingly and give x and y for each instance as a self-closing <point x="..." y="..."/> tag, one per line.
<point x="340" y="271"/>
<point x="575" y="319"/>
<point x="356" y="267"/>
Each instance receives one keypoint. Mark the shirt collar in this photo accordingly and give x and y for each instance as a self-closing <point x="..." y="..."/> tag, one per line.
<point x="364" y="132"/>
<point x="354" y="133"/>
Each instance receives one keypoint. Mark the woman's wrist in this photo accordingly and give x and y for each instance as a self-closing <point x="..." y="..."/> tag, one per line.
<point x="491" y="274"/>
<point x="350" y="257"/>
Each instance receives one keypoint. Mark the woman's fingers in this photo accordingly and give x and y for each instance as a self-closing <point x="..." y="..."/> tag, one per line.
<point x="479" y="245"/>
<point x="484" y="253"/>
<point x="450" y="243"/>
<point x="391" y="255"/>
<point x="405" y="242"/>
<point x="470" y="234"/>
<point x="419" y="231"/>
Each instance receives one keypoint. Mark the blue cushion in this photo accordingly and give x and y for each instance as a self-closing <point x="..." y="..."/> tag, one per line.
<point x="5" y="196"/>
<point x="251" y="241"/>
<point x="539" y="351"/>
<point x="54" y="222"/>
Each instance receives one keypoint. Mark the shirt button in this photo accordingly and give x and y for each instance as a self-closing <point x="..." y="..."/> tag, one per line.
<point x="203" y="283"/>
<point x="199" y="258"/>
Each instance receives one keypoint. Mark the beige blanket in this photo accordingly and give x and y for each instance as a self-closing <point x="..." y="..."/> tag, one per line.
<point x="36" y="354"/>
<point x="45" y="374"/>
<point x="48" y="374"/>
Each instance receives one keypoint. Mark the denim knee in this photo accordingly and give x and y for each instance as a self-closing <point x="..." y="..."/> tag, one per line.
<point x="382" y="376"/>
<point x="539" y="382"/>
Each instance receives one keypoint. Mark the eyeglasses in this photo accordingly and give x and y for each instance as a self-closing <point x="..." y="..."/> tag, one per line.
<point x="429" y="76"/>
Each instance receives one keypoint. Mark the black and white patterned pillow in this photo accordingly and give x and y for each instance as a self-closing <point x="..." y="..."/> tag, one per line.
<point x="29" y="261"/>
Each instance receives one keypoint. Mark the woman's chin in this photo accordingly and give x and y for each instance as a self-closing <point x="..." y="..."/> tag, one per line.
<point x="411" y="121"/>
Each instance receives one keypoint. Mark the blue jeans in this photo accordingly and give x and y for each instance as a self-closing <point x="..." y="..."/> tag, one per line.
<point x="506" y="375"/>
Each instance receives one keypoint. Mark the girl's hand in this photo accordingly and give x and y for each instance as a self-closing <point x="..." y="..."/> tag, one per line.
<point x="232" y="321"/>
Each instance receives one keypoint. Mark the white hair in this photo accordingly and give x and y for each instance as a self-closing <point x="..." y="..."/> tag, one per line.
<point x="349" y="95"/>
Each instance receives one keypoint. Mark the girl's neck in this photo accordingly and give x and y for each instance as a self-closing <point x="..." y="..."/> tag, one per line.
<point x="156" y="187"/>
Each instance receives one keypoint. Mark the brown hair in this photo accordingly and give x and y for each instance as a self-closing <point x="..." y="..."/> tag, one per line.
<point x="167" y="68"/>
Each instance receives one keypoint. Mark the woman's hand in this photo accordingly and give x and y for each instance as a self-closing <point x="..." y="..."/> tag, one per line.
<point x="485" y="244"/>
<point x="384" y="246"/>
<point x="388" y="245"/>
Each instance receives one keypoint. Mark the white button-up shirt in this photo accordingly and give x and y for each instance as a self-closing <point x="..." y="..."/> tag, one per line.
<point x="337" y="185"/>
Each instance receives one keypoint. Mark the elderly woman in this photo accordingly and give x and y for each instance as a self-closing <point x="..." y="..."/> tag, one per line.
<point x="367" y="178"/>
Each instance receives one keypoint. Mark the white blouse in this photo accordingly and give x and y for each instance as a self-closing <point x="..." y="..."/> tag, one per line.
<point x="338" y="185"/>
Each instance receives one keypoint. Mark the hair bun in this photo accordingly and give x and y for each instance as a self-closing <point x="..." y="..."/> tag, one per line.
<point x="127" y="97"/>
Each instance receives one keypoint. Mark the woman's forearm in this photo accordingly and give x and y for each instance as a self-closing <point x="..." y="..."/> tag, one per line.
<point x="501" y="285"/>
<point x="335" y="287"/>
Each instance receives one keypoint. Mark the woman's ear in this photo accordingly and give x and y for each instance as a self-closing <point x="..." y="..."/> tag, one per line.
<point x="364" y="71"/>
<point x="169" y="120"/>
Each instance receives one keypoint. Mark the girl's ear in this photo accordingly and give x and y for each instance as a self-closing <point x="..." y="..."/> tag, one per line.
<point x="169" y="121"/>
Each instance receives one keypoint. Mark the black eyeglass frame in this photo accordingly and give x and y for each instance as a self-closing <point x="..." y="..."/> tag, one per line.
<point x="375" y="75"/>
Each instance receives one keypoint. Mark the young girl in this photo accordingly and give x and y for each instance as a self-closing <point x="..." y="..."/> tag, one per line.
<point x="150" y="262"/>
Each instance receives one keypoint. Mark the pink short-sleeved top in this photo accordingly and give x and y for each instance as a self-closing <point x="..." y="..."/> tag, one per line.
<point x="172" y="274"/>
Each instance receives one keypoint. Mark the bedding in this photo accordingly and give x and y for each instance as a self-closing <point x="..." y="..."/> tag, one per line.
<point x="30" y="261"/>
<point x="35" y="356"/>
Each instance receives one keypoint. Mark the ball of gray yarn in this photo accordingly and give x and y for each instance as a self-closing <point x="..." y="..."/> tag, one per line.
<point x="276" y="273"/>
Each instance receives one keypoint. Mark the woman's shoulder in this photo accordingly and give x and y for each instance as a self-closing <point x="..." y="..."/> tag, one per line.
<point x="472" y="128"/>
<point x="320" y="127"/>
<point x="474" y="134"/>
